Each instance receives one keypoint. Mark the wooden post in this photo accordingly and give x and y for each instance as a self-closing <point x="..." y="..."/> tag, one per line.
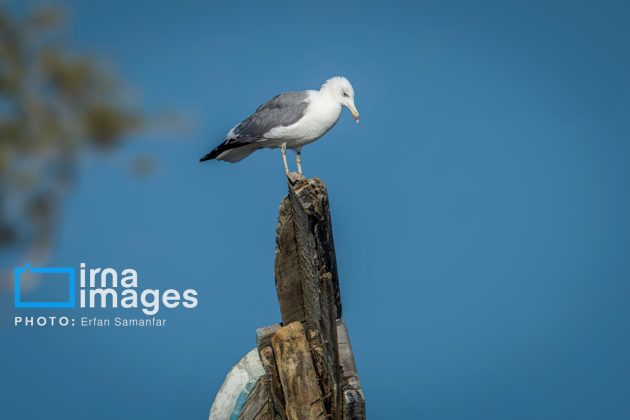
<point x="317" y="269"/>
<point x="310" y="371"/>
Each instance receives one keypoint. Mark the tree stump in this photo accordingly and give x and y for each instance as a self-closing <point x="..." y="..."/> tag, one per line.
<point x="309" y="368"/>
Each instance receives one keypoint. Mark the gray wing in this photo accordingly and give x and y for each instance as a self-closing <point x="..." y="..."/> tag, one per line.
<point x="281" y="110"/>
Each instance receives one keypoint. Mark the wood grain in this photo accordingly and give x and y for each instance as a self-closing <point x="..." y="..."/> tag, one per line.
<point x="353" y="401"/>
<point x="301" y="391"/>
<point x="275" y="385"/>
<point x="258" y="403"/>
<point x="288" y="280"/>
<point x="320" y="289"/>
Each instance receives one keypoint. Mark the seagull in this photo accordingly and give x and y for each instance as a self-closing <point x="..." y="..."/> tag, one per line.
<point x="288" y="121"/>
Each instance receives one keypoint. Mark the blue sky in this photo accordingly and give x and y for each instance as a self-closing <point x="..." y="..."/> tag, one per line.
<point x="480" y="208"/>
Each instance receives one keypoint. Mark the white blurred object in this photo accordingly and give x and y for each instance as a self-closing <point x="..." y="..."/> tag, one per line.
<point x="236" y="387"/>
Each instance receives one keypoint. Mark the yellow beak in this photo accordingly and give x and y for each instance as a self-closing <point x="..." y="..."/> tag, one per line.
<point x="355" y="113"/>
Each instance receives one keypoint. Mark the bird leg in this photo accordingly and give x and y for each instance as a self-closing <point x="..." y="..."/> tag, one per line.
<point x="283" y="150"/>
<point x="298" y="159"/>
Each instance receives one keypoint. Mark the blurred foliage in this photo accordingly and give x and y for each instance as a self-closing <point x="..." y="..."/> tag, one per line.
<point x="54" y="104"/>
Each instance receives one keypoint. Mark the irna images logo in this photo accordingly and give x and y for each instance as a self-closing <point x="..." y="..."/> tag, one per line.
<point x="97" y="288"/>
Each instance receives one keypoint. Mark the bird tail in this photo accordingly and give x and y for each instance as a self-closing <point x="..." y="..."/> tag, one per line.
<point x="230" y="152"/>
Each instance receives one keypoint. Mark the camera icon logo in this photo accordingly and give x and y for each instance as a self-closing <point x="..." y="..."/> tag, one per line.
<point x="68" y="273"/>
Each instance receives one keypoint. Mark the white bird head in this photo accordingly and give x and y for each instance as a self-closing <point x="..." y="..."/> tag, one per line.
<point x="341" y="90"/>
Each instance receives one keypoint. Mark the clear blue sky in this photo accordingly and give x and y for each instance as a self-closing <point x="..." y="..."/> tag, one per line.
<point x="480" y="208"/>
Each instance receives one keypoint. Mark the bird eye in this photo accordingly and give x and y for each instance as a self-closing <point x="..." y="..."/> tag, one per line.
<point x="344" y="94"/>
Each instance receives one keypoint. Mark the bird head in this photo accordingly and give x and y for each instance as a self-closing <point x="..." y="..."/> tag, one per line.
<point x="341" y="90"/>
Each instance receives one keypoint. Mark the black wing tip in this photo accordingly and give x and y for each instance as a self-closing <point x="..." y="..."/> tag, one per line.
<point x="212" y="155"/>
<point x="226" y="145"/>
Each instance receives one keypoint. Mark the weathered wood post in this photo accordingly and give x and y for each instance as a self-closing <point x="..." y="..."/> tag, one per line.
<point x="309" y="368"/>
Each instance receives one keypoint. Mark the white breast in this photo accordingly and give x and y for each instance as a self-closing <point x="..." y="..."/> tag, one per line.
<point x="320" y="116"/>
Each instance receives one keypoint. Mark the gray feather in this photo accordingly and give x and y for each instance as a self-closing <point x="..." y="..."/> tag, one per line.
<point x="238" y="153"/>
<point x="282" y="110"/>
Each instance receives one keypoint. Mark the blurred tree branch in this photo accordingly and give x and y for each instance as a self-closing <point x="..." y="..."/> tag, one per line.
<point x="54" y="104"/>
